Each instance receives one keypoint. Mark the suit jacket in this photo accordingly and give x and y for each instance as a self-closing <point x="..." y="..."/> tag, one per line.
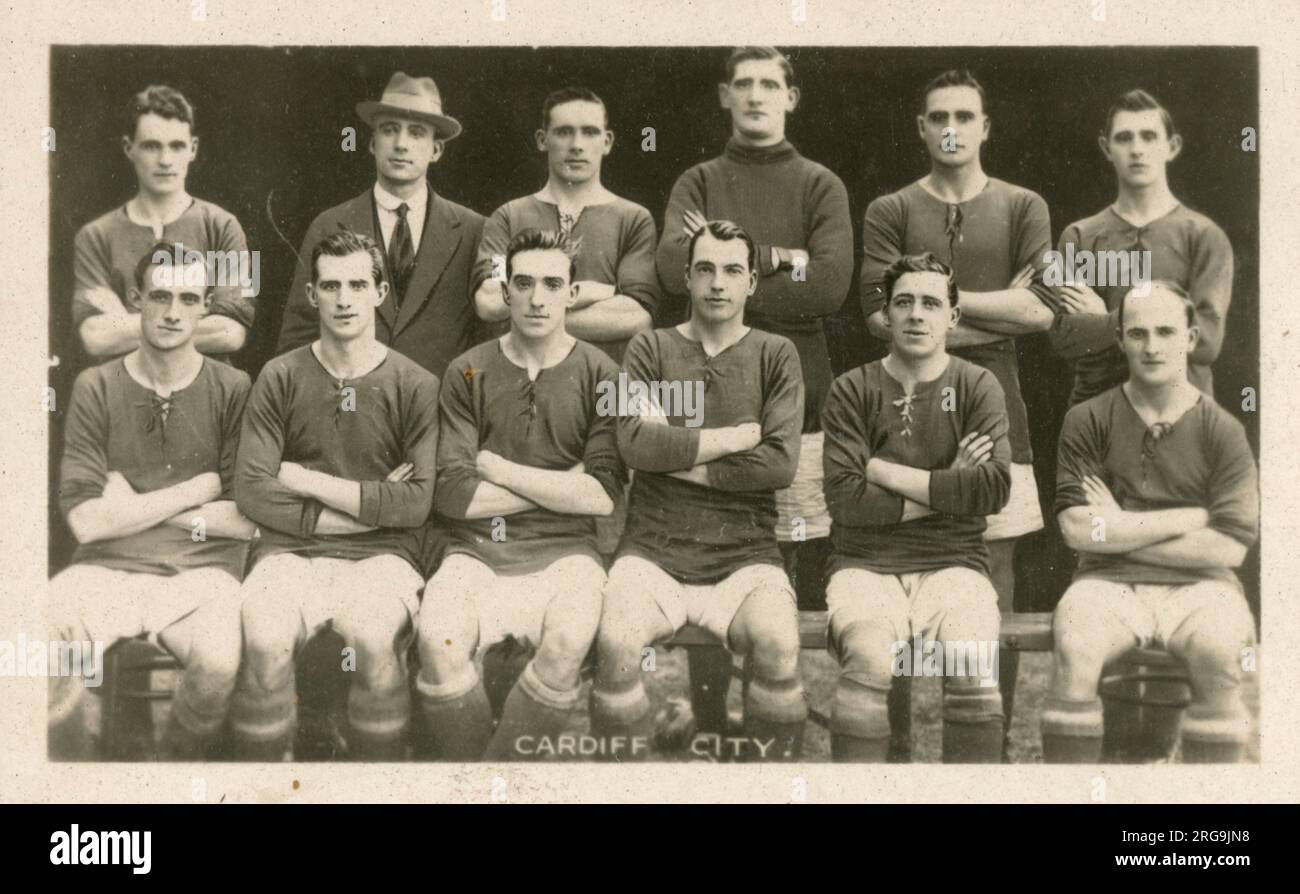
<point x="436" y="321"/>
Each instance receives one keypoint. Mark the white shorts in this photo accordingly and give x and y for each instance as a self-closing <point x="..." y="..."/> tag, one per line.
<point x="804" y="498"/>
<point x="515" y="605"/>
<point x="112" y="604"/>
<point x="324" y="586"/>
<point x="1154" y="613"/>
<point x="1022" y="514"/>
<point x="915" y="604"/>
<point x="710" y="606"/>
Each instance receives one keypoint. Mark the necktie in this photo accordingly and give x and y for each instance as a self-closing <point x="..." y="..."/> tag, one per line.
<point x="401" y="255"/>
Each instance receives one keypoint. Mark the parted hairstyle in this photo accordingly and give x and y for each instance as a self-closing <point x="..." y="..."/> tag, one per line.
<point x="1138" y="101"/>
<point x="724" y="231"/>
<point x="161" y="100"/>
<point x="344" y="243"/>
<point x="569" y="94"/>
<point x="955" y="77"/>
<point x="922" y="263"/>
<point x="1164" y="285"/>
<point x="163" y="254"/>
<point x="744" y="54"/>
<point x="544" y="240"/>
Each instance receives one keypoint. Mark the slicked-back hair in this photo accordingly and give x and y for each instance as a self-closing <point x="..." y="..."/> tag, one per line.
<point x="1138" y="101"/>
<point x="922" y="263"/>
<point x="955" y="77"/>
<point x="744" y="54"/>
<point x="544" y="240"/>
<point x="1163" y="285"/>
<point x="724" y="231"/>
<point x="344" y="243"/>
<point x="570" y="94"/>
<point x="163" y="254"/>
<point x="160" y="100"/>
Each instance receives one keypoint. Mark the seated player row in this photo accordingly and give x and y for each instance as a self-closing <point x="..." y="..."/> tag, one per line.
<point x="345" y="446"/>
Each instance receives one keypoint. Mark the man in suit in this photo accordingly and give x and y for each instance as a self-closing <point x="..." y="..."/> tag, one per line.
<point x="429" y="242"/>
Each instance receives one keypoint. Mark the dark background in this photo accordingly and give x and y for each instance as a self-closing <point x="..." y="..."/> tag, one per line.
<point x="270" y="121"/>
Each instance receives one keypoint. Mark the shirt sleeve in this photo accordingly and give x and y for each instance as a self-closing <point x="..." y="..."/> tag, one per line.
<point x="670" y="260"/>
<point x="636" y="266"/>
<point x="1234" y="484"/>
<point x="84" y="469"/>
<point x="233" y="300"/>
<point x="1210" y="287"/>
<point x="1078" y="335"/>
<point x="258" y="492"/>
<point x="1078" y="455"/>
<point x="821" y="287"/>
<point x="850" y="498"/>
<point x="882" y="245"/>
<point x="600" y="457"/>
<point x="407" y="504"/>
<point x="92" y="271"/>
<point x="652" y="446"/>
<point x="984" y="489"/>
<point x="232" y="420"/>
<point x="301" y="324"/>
<point x="772" y="464"/>
<point x="1034" y="245"/>
<point x="458" y="445"/>
<point x="493" y="243"/>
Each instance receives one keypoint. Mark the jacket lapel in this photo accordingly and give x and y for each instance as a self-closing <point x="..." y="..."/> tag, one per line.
<point x="438" y="244"/>
<point x="367" y="221"/>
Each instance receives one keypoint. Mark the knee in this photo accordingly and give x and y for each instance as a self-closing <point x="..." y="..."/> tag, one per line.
<point x="448" y="621"/>
<point x="773" y="633"/>
<point x="216" y="656"/>
<point x="270" y="630"/>
<point x="622" y="632"/>
<point x="866" y="650"/>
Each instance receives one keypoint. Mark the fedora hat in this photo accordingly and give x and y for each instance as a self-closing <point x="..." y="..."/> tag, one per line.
<point x="410" y="97"/>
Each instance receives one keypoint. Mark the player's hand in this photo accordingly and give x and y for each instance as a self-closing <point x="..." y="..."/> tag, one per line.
<point x="972" y="450"/>
<point x="692" y="222"/>
<point x="401" y="473"/>
<point x="116" y="486"/>
<point x="590" y="291"/>
<point x="293" y="476"/>
<point x="489" y="466"/>
<point x="1098" y="494"/>
<point x="747" y="436"/>
<point x="1079" y="299"/>
<point x="579" y="467"/>
<point x="207" y="487"/>
<point x="1024" y="279"/>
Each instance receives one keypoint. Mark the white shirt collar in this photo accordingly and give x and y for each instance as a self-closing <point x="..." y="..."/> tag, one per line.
<point x="389" y="202"/>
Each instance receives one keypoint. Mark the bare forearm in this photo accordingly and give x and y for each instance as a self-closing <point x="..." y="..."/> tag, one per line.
<point x="568" y="491"/>
<point x="220" y="518"/>
<point x="337" y="493"/>
<point x="695" y="475"/>
<point x="491" y="500"/>
<point x="1203" y="548"/>
<point x="217" y="334"/>
<point x="1092" y="529"/>
<point x="610" y="319"/>
<point x="105" y="518"/>
<point x="109" y="335"/>
<point x="1014" y="311"/>
<point x="912" y="484"/>
<point x="335" y="523"/>
<point x="715" y="443"/>
<point x="912" y="510"/>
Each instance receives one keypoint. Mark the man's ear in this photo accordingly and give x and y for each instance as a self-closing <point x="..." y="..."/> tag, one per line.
<point x="988" y="127"/>
<point x="920" y="127"/>
<point x="1104" y="144"/>
<point x="134" y="298"/>
<point x="383" y="292"/>
<point x="1175" y="146"/>
<point x="573" y="295"/>
<point x="311" y="296"/>
<point x="126" y="145"/>
<point x="956" y="316"/>
<point x="1193" y="336"/>
<point x="438" y="146"/>
<point x="753" y="283"/>
<point x="505" y="293"/>
<point x="194" y="148"/>
<point x="724" y="98"/>
<point x="372" y="143"/>
<point x="609" y="141"/>
<point x="795" y="96"/>
<point x="540" y="136"/>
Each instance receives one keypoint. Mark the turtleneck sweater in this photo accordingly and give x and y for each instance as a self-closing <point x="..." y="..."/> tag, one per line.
<point x="786" y="201"/>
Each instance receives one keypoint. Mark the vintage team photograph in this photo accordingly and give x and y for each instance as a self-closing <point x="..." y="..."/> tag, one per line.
<point x="695" y="404"/>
